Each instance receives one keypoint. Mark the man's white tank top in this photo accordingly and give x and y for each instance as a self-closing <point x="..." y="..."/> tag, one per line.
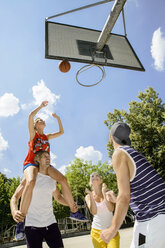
<point x="40" y="212"/>
<point x="103" y="218"/>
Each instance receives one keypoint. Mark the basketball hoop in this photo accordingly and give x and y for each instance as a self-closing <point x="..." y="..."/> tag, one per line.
<point x="87" y="67"/>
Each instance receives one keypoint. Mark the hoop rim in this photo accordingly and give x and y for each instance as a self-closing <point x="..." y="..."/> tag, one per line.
<point x="86" y="67"/>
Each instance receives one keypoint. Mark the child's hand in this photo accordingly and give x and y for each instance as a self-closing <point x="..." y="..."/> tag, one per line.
<point x="55" y="116"/>
<point x="44" y="104"/>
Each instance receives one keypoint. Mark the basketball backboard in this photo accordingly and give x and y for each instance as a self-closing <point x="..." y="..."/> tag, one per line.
<point x="79" y="44"/>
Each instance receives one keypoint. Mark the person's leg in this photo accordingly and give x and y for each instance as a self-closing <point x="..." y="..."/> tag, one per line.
<point x="115" y="242"/>
<point x="156" y="232"/>
<point x="34" y="237"/>
<point x="61" y="179"/>
<point x="30" y="174"/>
<point x="53" y="236"/>
<point x="96" y="240"/>
<point x="139" y="234"/>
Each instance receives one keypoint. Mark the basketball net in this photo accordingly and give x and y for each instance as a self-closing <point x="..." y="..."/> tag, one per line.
<point x="87" y="67"/>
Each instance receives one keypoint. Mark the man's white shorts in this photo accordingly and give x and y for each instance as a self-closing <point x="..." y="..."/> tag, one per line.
<point x="149" y="234"/>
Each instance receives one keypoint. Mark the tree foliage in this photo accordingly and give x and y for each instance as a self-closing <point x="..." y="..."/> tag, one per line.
<point x="78" y="175"/>
<point x="7" y="188"/>
<point x="146" y="119"/>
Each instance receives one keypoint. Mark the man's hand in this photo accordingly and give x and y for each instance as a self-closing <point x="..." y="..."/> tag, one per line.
<point x="18" y="216"/>
<point x="74" y="208"/>
<point x="44" y="104"/>
<point x="107" y="234"/>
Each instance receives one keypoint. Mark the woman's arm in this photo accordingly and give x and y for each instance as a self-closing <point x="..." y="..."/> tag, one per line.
<point x="90" y="202"/>
<point x="61" y="130"/>
<point x="31" y="119"/>
<point x="107" y="198"/>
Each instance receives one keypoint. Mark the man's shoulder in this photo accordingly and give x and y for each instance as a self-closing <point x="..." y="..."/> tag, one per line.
<point x="119" y="154"/>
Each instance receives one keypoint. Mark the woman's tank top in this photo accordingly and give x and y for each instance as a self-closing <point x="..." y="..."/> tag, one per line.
<point x="103" y="218"/>
<point x="39" y="143"/>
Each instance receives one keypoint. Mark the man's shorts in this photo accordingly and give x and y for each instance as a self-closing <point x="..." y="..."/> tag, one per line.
<point x="149" y="234"/>
<point x="36" y="235"/>
<point x="99" y="243"/>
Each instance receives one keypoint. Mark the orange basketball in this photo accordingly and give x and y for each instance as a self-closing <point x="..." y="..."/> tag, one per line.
<point x="64" y="66"/>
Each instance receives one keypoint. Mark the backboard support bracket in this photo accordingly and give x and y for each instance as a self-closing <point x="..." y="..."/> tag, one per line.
<point x="87" y="48"/>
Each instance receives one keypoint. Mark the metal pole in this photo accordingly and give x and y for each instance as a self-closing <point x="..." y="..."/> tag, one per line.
<point x="77" y="9"/>
<point x="124" y="22"/>
<point x="111" y="20"/>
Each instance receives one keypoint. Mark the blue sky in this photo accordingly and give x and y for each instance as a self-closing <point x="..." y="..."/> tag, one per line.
<point x="27" y="78"/>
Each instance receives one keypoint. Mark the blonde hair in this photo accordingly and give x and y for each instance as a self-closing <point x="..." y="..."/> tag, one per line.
<point x="35" y="121"/>
<point x="94" y="173"/>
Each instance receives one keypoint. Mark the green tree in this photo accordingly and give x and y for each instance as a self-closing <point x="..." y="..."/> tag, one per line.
<point x="146" y="118"/>
<point x="78" y="175"/>
<point x="3" y="201"/>
<point x="7" y="188"/>
<point x="60" y="211"/>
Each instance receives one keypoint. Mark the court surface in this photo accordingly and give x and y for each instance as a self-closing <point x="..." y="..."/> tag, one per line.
<point x="85" y="241"/>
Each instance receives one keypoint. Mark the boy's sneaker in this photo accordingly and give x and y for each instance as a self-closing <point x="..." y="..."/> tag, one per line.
<point x="78" y="216"/>
<point x="19" y="232"/>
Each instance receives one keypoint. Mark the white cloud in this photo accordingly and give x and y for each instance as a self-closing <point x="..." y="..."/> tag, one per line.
<point x="62" y="169"/>
<point x="6" y="171"/>
<point x="52" y="159"/>
<point x="24" y="106"/>
<point x="3" y="145"/>
<point x="158" y="50"/>
<point x="42" y="93"/>
<point x="9" y="105"/>
<point x="85" y="153"/>
<point x="88" y="154"/>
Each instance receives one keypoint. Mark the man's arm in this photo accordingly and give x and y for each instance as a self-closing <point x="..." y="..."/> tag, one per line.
<point x="17" y="215"/>
<point x="120" y="164"/>
<point x="61" y="179"/>
<point x="59" y="198"/>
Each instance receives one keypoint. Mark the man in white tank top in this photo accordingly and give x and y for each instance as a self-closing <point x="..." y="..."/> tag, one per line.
<point x="40" y="222"/>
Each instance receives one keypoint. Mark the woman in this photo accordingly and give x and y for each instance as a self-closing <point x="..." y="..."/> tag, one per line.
<point x="101" y="205"/>
<point x="38" y="141"/>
